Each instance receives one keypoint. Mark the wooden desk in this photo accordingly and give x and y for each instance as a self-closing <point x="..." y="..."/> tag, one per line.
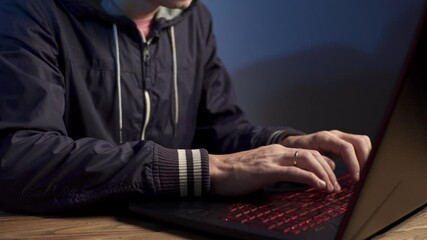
<point x="126" y="226"/>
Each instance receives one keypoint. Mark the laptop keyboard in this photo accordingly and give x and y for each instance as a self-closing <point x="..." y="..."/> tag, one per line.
<point x="293" y="212"/>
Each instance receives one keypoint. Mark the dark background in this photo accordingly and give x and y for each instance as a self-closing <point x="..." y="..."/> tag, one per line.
<point x="315" y="65"/>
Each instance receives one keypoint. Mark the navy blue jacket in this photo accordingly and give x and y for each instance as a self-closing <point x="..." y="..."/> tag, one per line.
<point x="90" y="111"/>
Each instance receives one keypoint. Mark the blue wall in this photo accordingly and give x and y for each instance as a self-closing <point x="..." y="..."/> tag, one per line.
<point x="315" y="64"/>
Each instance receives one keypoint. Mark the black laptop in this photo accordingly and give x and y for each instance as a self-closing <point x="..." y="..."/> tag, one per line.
<point x="393" y="184"/>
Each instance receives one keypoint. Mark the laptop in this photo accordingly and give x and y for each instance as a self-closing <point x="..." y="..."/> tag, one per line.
<point x="392" y="184"/>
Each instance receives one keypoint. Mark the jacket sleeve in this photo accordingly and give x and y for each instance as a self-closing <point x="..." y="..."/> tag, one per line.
<point x="222" y="125"/>
<point x="42" y="169"/>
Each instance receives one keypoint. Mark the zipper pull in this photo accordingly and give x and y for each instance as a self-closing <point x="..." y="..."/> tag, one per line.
<point x="147" y="56"/>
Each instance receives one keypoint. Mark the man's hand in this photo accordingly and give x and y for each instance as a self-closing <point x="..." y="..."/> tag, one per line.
<point x="247" y="171"/>
<point x="353" y="149"/>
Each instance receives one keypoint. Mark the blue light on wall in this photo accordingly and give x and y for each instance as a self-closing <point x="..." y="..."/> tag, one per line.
<point x="315" y="64"/>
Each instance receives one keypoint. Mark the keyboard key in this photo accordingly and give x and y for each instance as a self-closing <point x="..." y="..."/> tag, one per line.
<point x="294" y="212"/>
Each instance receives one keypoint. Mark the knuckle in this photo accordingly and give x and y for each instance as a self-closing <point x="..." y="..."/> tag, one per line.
<point x="363" y="139"/>
<point x="315" y="153"/>
<point x="347" y="147"/>
<point x="305" y="154"/>
<point x="335" y="131"/>
<point x="302" y="153"/>
<point x="367" y="139"/>
<point x="321" y="136"/>
<point x="324" y="132"/>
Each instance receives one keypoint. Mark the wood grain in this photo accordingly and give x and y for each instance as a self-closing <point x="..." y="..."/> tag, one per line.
<point x="128" y="227"/>
<point x="413" y="228"/>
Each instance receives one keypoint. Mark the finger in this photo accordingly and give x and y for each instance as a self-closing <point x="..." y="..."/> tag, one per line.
<point x="325" y="162"/>
<point x="308" y="161"/>
<point x="298" y="175"/>
<point x="329" y="142"/>
<point x="330" y="162"/>
<point x="362" y="145"/>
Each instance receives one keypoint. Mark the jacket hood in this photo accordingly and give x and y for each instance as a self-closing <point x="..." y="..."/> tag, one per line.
<point x="93" y="9"/>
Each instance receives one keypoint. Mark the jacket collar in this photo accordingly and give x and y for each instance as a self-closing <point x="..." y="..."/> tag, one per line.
<point x="92" y="9"/>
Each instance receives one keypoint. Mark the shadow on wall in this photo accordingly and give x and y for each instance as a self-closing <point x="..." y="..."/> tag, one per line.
<point x="326" y="87"/>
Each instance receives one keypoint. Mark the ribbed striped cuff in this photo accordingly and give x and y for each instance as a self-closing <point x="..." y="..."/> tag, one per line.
<point x="182" y="172"/>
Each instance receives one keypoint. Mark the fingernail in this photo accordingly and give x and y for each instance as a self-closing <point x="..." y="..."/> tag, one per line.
<point x="337" y="186"/>
<point x="322" y="184"/>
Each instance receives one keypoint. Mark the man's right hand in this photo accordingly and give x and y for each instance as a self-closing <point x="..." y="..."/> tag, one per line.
<point x="247" y="171"/>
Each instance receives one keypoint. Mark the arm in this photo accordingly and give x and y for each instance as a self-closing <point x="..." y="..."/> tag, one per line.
<point x="42" y="169"/>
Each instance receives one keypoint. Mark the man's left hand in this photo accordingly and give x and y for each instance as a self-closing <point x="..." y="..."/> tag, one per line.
<point x="353" y="149"/>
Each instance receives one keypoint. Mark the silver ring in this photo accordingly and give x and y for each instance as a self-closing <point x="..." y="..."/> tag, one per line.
<point x="295" y="158"/>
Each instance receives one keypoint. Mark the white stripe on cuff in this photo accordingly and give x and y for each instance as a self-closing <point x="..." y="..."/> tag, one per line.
<point x="273" y="137"/>
<point x="197" y="170"/>
<point x="182" y="168"/>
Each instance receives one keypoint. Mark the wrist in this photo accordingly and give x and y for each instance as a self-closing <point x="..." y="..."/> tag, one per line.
<point x="222" y="170"/>
<point x="213" y="170"/>
<point x="288" y="141"/>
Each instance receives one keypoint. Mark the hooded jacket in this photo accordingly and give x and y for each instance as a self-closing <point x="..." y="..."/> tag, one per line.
<point x="89" y="110"/>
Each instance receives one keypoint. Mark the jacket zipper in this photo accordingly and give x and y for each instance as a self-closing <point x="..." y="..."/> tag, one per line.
<point x="146" y="60"/>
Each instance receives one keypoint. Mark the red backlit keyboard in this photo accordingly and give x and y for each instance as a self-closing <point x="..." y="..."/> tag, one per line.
<point x="293" y="212"/>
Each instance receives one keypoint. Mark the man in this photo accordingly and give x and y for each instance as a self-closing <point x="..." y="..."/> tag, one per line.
<point x="127" y="98"/>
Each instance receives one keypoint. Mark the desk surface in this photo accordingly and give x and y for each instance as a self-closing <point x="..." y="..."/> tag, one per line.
<point x="125" y="226"/>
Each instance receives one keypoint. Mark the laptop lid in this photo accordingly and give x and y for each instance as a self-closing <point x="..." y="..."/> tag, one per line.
<point x="395" y="177"/>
